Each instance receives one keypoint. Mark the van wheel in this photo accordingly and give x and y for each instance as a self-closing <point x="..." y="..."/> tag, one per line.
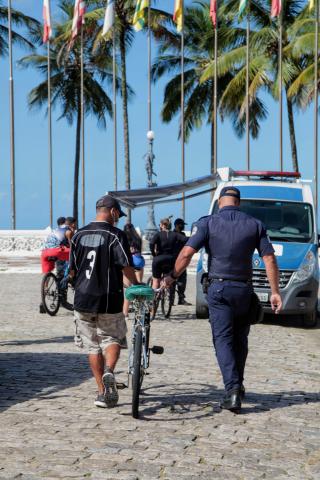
<point x="202" y="311"/>
<point x="310" y="320"/>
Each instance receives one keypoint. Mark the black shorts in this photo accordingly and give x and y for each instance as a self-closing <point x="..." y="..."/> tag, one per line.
<point x="162" y="264"/>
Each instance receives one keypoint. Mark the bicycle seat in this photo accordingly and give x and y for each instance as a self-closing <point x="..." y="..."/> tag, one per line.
<point x="136" y="292"/>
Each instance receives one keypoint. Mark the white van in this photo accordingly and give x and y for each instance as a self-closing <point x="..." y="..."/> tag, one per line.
<point x="284" y="203"/>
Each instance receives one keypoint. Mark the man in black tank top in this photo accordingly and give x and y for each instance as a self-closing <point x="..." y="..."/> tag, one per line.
<point x="165" y="247"/>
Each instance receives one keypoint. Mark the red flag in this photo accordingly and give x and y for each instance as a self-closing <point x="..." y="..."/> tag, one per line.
<point x="213" y="12"/>
<point x="78" y="17"/>
<point x="276" y="6"/>
<point x="47" y="30"/>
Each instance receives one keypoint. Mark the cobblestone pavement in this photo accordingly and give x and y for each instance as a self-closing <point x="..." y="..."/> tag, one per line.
<point x="50" y="428"/>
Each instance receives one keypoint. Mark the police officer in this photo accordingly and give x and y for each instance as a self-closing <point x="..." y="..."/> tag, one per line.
<point x="230" y="238"/>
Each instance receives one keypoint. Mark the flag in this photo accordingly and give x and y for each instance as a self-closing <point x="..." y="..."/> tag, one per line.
<point x="78" y="17"/>
<point x="213" y="12"/>
<point x="311" y="5"/>
<point x="139" y="18"/>
<point x="276" y="6"/>
<point x="109" y="17"/>
<point x="47" y="30"/>
<point x="178" y="14"/>
<point x="242" y="6"/>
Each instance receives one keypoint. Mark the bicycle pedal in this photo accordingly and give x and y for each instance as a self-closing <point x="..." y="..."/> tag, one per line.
<point x="121" y="385"/>
<point x="156" y="349"/>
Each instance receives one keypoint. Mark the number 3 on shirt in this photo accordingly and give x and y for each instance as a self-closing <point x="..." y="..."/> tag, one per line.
<point x="91" y="256"/>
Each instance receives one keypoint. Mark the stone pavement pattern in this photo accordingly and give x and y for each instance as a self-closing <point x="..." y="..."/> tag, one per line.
<point x="50" y="428"/>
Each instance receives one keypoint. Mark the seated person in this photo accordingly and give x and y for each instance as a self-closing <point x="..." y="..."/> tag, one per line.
<point x="165" y="247"/>
<point x="57" y="245"/>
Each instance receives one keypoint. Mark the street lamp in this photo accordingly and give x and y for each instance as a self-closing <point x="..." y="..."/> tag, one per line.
<point x="151" y="228"/>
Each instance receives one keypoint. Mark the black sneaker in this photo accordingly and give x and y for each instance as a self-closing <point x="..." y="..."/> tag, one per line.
<point x="100" y="401"/>
<point x="111" y="391"/>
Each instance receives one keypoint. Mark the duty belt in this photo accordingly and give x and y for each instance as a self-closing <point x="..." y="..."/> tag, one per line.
<point x="219" y="279"/>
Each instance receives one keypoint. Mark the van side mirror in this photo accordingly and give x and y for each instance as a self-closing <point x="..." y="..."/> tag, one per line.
<point x="318" y="240"/>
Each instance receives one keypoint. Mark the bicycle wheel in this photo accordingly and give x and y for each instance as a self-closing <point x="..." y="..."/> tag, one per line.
<point x="167" y="301"/>
<point x="50" y="294"/>
<point x="137" y="372"/>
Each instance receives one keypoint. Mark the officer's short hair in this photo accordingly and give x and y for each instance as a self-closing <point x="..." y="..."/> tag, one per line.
<point x="230" y="192"/>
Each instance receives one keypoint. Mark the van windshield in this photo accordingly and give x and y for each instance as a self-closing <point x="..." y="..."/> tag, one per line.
<point x="285" y="221"/>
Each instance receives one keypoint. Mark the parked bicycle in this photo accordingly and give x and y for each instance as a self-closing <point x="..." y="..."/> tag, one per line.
<point x="141" y="297"/>
<point x="56" y="292"/>
<point x="164" y="297"/>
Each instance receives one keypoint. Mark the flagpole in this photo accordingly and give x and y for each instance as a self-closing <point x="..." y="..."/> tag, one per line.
<point x="280" y="93"/>
<point x="182" y="112"/>
<point x="49" y="134"/>
<point x="149" y="68"/>
<point x="12" y="130"/>
<point x="247" y="90"/>
<point x="316" y="101"/>
<point x="114" y="72"/>
<point x="151" y="227"/>
<point x="215" y="96"/>
<point x="82" y="129"/>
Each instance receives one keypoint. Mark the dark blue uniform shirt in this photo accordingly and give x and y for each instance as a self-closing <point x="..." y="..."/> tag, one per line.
<point x="230" y="237"/>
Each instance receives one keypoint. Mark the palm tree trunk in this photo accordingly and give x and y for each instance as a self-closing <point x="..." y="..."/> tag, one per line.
<point x="125" y="112"/>
<point x="292" y="133"/>
<point x="77" y="163"/>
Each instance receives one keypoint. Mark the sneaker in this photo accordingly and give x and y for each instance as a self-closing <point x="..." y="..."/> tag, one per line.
<point x="100" y="401"/>
<point x="111" y="392"/>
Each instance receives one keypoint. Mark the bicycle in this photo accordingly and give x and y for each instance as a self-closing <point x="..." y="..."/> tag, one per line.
<point x="56" y="292"/>
<point x="141" y="297"/>
<point x="165" y="297"/>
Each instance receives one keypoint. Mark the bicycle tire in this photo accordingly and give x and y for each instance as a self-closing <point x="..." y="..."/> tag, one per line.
<point x="167" y="301"/>
<point x="50" y="300"/>
<point x="136" y="374"/>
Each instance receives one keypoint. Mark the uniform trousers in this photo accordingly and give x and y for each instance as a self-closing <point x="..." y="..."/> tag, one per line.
<point x="229" y="304"/>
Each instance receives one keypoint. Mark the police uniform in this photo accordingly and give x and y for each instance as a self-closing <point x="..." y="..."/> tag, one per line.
<point x="230" y="238"/>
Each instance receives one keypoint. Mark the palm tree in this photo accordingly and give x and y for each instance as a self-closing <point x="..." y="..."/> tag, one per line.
<point x="301" y="47"/>
<point x="124" y="10"/>
<point x="65" y="79"/>
<point x="199" y="63"/>
<point x="199" y="53"/>
<point x="18" y="19"/>
<point x="264" y="66"/>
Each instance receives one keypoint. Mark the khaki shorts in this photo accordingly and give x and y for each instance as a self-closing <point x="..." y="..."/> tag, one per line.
<point x="97" y="331"/>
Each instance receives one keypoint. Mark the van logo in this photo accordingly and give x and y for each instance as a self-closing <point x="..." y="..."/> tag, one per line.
<point x="256" y="262"/>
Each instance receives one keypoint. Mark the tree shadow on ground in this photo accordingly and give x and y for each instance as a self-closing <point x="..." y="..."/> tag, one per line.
<point x="38" y="341"/>
<point x="195" y="401"/>
<point x="24" y="376"/>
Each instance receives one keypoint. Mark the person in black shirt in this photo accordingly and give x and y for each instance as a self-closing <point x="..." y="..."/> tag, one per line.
<point x="165" y="247"/>
<point x="99" y="255"/>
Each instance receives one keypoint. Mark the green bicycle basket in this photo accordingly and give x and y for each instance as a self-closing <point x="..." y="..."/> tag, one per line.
<point x="139" y="291"/>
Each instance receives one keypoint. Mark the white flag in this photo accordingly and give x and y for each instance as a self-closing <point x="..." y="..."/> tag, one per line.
<point x="109" y="17"/>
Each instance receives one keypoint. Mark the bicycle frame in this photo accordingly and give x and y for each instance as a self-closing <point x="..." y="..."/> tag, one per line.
<point x="141" y="310"/>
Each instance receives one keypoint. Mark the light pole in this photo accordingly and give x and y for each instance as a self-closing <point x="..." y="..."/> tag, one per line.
<point x="151" y="228"/>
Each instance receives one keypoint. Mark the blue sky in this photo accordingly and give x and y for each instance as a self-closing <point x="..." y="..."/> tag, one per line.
<point x="31" y="145"/>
